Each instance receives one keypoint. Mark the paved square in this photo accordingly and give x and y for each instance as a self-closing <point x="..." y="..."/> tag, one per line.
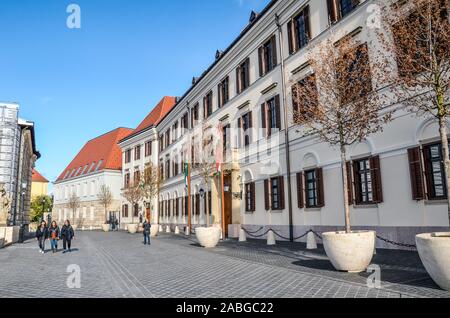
<point x="118" y="265"/>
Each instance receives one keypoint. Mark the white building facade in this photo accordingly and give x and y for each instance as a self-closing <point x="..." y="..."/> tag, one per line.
<point x="247" y="90"/>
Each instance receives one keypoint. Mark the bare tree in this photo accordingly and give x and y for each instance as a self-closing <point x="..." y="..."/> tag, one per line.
<point x="419" y="40"/>
<point x="206" y="164"/>
<point x="105" y="197"/>
<point x="133" y="193"/>
<point x="338" y="103"/>
<point x="73" y="203"/>
<point x="151" y="182"/>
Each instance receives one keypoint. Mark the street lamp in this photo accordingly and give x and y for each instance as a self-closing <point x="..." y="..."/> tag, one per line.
<point x="43" y="209"/>
<point x="22" y="226"/>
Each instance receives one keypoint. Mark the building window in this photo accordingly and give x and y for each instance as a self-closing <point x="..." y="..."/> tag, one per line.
<point x="128" y="156"/>
<point x="304" y="98"/>
<point x="243" y="76"/>
<point x="299" y="31"/>
<point x="245" y="126"/>
<point x="175" y="132"/>
<point x="207" y="105"/>
<point x="168" y="169"/>
<point x="223" y="92"/>
<point x="356" y="81"/>
<point x="367" y="181"/>
<point x="338" y="9"/>
<point x="167" y="138"/>
<point x="137" y="153"/>
<point x="137" y="177"/>
<point x="270" y="115"/>
<point x="194" y="115"/>
<point x="148" y="148"/>
<point x="226" y="140"/>
<point x="136" y="210"/>
<point x="274" y="193"/>
<point x="364" y="180"/>
<point x="267" y="56"/>
<point x="184" y="121"/>
<point x="435" y="172"/>
<point x="175" y="166"/>
<point x="126" y="182"/>
<point x="161" y="169"/>
<point x="161" y="143"/>
<point x="250" y="197"/>
<point x="311" y="189"/>
<point x="125" y="211"/>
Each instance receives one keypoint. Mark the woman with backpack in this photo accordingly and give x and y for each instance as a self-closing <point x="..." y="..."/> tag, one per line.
<point x="67" y="235"/>
<point x="53" y="233"/>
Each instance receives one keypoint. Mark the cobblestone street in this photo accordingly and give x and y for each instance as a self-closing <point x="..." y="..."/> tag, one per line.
<point x="119" y="265"/>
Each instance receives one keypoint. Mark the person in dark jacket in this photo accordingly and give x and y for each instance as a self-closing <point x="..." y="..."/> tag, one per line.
<point x="53" y="233"/>
<point x="42" y="236"/>
<point x="147" y="229"/>
<point x="67" y="235"/>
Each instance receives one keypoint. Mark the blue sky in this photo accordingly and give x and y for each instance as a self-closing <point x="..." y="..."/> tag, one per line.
<point x="77" y="84"/>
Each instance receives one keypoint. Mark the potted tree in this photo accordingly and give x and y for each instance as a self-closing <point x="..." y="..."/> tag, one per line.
<point x="419" y="41"/>
<point x="338" y="105"/>
<point x="105" y="197"/>
<point x="208" y="236"/>
<point x="151" y="184"/>
<point x="133" y="194"/>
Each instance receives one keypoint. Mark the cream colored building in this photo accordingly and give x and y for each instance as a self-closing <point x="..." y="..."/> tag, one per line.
<point x="248" y="88"/>
<point x="98" y="163"/>
<point x="39" y="184"/>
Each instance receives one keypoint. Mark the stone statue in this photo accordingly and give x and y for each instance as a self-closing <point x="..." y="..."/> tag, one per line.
<point x="5" y="206"/>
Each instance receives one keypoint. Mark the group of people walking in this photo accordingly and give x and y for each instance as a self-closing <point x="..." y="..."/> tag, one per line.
<point x="55" y="234"/>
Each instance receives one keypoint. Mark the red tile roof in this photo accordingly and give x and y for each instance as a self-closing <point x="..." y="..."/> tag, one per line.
<point x="156" y="115"/>
<point x="37" y="177"/>
<point x="98" y="154"/>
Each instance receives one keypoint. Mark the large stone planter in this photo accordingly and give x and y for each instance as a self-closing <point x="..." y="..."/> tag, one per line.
<point x="105" y="227"/>
<point x="208" y="237"/>
<point x="132" y="228"/>
<point x="434" y="251"/>
<point x="154" y="230"/>
<point x="350" y="252"/>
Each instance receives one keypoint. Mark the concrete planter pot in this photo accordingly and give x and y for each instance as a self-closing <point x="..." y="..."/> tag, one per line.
<point x="132" y="228"/>
<point x="434" y="251"/>
<point x="154" y="230"/>
<point x="105" y="227"/>
<point x="350" y="252"/>
<point x="208" y="237"/>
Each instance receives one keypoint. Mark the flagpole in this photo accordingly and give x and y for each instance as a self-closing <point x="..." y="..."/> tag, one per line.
<point x="189" y="197"/>
<point x="223" y="203"/>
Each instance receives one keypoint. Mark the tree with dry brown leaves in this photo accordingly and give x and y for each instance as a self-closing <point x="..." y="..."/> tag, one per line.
<point x="133" y="193"/>
<point x="105" y="197"/>
<point x="151" y="182"/>
<point x="338" y="103"/>
<point x="419" y="40"/>
<point x="73" y="203"/>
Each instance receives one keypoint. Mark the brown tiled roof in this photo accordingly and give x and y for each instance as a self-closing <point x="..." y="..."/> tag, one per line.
<point x="156" y="115"/>
<point x="98" y="154"/>
<point x="37" y="177"/>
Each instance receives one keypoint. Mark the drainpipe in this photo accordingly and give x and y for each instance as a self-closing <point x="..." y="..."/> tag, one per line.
<point x="286" y="130"/>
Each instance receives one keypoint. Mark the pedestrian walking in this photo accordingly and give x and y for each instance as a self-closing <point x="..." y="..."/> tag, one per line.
<point x="54" y="234"/>
<point x="147" y="229"/>
<point x="67" y="235"/>
<point x="42" y="236"/>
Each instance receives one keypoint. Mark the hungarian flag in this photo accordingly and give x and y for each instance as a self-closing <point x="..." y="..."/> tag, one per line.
<point x="219" y="148"/>
<point x="186" y="174"/>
